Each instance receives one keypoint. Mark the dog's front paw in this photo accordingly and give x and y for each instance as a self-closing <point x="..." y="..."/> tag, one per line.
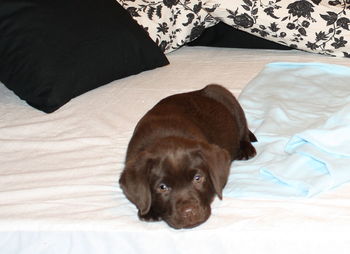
<point x="246" y="151"/>
<point x="150" y="216"/>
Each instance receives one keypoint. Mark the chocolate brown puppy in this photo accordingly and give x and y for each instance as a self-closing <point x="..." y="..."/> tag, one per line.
<point x="180" y="154"/>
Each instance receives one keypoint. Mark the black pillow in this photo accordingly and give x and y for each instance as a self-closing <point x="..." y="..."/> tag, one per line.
<point x="223" y="35"/>
<point x="54" y="50"/>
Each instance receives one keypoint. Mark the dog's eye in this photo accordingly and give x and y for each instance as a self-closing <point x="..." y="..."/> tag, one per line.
<point x="163" y="187"/>
<point x="198" y="178"/>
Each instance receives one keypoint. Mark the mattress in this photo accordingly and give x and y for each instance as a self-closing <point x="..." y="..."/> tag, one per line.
<point x="59" y="172"/>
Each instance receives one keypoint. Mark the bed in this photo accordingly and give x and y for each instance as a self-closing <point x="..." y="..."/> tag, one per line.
<point x="59" y="171"/>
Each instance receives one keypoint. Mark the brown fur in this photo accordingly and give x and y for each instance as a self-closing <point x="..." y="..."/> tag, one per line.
<point x="180" y="155"/>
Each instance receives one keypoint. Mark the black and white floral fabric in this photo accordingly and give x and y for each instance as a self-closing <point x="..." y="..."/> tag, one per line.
<point x="317" y="25"/>
<point x="170" y="23"/>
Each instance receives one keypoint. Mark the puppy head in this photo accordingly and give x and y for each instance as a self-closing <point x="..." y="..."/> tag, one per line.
<point x="176" y="181"/>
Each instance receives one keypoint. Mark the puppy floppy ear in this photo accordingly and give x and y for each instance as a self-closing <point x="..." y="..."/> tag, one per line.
<point x="134" y="182"/>
<point x="219" y="162"/>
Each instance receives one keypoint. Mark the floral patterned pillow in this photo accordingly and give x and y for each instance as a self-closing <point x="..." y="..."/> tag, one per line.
<point x="170" y="23"/>
<point x="316" y="26"/>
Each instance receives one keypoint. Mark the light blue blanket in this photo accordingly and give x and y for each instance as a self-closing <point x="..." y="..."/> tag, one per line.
<point x="300" y="113"/>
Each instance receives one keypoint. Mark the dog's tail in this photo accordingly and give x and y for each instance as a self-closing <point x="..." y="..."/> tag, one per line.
<point x="252" y="137"/>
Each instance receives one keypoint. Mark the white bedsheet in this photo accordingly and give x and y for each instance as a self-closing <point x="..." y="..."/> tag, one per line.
<point x="59" y="173"/>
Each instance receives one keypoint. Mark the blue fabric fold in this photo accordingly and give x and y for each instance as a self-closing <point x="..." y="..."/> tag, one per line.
<point x="300" y="113"/>
<point x="319" y="159"/>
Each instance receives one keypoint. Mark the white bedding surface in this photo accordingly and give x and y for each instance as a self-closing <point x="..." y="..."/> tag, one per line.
<point x="59" y="172"/>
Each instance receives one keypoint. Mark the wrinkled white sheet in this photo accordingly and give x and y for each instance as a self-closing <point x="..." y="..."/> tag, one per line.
<point x="59" y="173"/>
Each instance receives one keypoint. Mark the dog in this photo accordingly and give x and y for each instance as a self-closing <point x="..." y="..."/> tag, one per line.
<point x="180" y="153"/>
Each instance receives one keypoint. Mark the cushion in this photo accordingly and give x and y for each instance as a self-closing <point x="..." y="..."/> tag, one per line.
<point x="311" y="25"/>
<point x="52" y="51"/>
<point x="223" y="35"/>
<point x="170" y="23"/>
